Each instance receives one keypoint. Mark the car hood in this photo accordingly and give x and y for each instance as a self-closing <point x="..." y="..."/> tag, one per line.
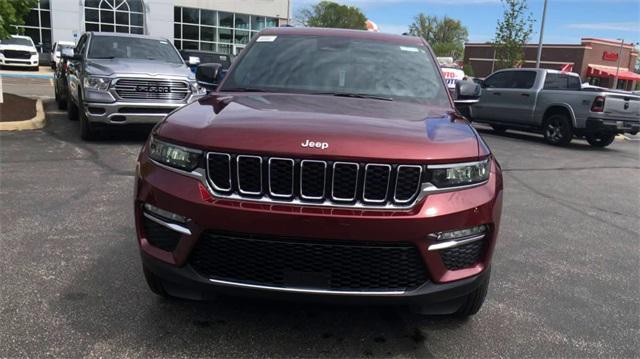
<point x="17" y="47"/>
<point x="108" y="67"/>
<point x="278" y="125"/>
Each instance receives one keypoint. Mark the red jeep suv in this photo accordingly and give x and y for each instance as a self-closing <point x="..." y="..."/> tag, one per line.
<point x="326" y="164"/>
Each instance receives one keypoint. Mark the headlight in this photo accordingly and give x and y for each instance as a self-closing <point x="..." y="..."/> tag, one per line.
<point x="97" y="83"/>
<point x="197" y="89"/>
<point x="179" y="157"/>
<point x="33" y="53"/>
<point x="443" y="176"/>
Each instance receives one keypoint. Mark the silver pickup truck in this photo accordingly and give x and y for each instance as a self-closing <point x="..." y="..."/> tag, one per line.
<point x="555" y="103"/>
<point x="119" y="79"/>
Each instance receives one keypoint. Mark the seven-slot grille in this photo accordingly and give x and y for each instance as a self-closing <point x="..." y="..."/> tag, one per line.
<point x="313" y="181"/>
<point x="17" y="54"/>
<point x="143" y="89"/>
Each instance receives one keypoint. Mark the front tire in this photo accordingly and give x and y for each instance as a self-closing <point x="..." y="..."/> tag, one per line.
<point x="557" y="130"/>
<point x="474" y="300"/>
<point x="88" y="131"/>
<point x="600" y="139"/>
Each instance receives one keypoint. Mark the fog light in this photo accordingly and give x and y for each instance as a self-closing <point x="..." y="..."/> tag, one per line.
<point x="457" y="234"/>
<point x="165" y="214"/>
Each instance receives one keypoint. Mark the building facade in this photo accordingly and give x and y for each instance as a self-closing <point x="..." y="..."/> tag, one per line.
<point x="207" y="25"/>
<point x="596" y="60"/>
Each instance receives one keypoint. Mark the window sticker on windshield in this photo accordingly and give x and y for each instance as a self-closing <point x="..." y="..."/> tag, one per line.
<point x="409" y="48"/>
<point x="267" y="39"/>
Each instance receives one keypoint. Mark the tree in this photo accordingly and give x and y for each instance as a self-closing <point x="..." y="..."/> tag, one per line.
<point x="446" y="36"/>
<point x="512" y="33"/>
<point x="330" y="14"/>
<point x="12" y="14"/>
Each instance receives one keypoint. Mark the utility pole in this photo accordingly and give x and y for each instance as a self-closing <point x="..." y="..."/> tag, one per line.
<point x="544" y="15"/>
<point x="615" y="79"/>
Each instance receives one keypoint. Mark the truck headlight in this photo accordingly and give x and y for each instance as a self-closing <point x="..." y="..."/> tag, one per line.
<point x="463" y="174"/>
<point x="97" y="83"/>
<point x="175" y="156"/>
<point x="197" y="89"/>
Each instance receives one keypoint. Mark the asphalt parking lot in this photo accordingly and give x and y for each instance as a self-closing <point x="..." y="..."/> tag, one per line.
<point x="565" y="278"/>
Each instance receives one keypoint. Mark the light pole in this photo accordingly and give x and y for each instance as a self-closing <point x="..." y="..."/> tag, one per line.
<point x="544" y="15"/>
<point x="615" y="79"/>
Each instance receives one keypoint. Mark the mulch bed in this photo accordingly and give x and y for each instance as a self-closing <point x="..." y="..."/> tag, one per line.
<point x="17" y="108"/>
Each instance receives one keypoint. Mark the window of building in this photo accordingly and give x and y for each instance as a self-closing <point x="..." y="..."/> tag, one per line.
<point x="37" y="26"/>
<point x="216" y="31"/>
<point x="126" y="16"/>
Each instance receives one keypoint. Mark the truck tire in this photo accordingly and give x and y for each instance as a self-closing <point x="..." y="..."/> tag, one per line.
<point x="474" y="300"/>
<point x="88" y="131"/>
<point x="62" y="104"/>
<point x="499" y="128"/>
<point x="72" y="113"/>
<point x="600" y="139"/>
<point x="557" y="130"/>
<point x="154" y="283"/>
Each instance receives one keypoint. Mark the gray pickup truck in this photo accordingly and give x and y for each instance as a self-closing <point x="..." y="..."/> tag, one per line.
<point x="555" y="103"/>
<point x="119" y="79"/>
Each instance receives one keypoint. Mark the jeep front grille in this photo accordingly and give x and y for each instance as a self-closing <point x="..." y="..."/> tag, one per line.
<point x="145" y="89"/>
<point x="315" y="182"/>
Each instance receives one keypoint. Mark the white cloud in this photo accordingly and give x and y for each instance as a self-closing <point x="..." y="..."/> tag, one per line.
<point x="613" y="26"/>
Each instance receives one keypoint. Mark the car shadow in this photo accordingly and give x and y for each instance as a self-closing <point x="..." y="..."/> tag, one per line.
<point x="109" y="302"/>
<point x="576" y="143"/>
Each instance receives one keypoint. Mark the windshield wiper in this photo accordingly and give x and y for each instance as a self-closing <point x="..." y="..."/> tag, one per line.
<point x="355" y="95"/>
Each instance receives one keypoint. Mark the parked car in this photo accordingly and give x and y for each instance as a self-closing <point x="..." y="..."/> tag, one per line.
<point x="19" y="51"/>
<point x="56" y="50"/>
<point x="328" y="164"/>
<point x="60" y="83"/>
<point x="555" y="103"/>
<point x="120" y="79"/>
<point x="194" y="58"/>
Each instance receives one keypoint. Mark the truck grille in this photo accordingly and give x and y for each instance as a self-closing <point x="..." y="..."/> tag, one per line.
<point x="309" y="264"/>
<point x="16" y="54"/>
<point x="134" y="89"/>
<point x="331" y="183"/>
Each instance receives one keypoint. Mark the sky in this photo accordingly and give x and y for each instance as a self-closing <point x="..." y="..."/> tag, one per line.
<point x="567" y="20"/>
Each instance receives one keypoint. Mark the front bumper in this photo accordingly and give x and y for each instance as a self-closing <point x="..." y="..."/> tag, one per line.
<point x="611" y="125"/>
<point x="4" y="61"/>
<point x="184" y="195"/>
<point x="124" y="113"/>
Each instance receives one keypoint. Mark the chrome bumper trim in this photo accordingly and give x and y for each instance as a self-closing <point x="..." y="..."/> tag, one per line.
<point x="171" y="226"/>
<point x="307" y="291"/>
<point x="455" y="243"/>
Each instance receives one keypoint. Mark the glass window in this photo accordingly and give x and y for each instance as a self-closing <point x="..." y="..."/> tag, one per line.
<point x="271" y="22"/>
<point x="573" y="82"/>
<point x="523" y="79"/>
<point x="44" y="4"/>
<point x="242" y="21"/>
<point x="122" y="18"/>
<point x="207" y="46"/>
<point x="107" y="28"/>
<point x="92" y="27"/>
<point x="135" y="5"/>
<point x="191" y="16"/>
<point x="34" y="34"/>
<point x="332" y="64"/>
<point x="225" y="35"/>
<point x="122" y="29"/>
<point x="258" y="23"/>
<point x="190" y="32"/>
<point x="32" y="19"/>
<point x="91" y="3"/>
<point x="177" y="43"/>
<point x="136" y="19"/>
<point x="207" y="33"/>
<point x="137" y="30"/>
<point x="499" y="80"/>
<point x="177" y="14"/>
<point x="226" y="19"/>
<point x="45" y="19"/>
<point x="190" y="45"/>
<point x="209" y="17"/>
<point x="114" y="15"/>
<point x="242" y="37"/>
<point x="91" y="15"/>
<point x="106" y="16"/>
<point x="132" y="48"/>
<point x="225" y="49"/>
<point x="177" y="31"/>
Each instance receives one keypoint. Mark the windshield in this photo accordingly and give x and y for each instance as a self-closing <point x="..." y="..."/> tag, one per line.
<point x="16" y="41"/>
<point x="114" y="47"/>
<point x="339" y="65"/>
<point x="63" y="46"/>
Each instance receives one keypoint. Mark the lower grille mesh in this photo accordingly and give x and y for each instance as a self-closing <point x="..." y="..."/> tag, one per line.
<point x="315" y="264"/>
<point x="462" y="257"/>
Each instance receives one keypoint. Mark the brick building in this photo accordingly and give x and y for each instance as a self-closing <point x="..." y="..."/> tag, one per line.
<point x="595" y="60"/>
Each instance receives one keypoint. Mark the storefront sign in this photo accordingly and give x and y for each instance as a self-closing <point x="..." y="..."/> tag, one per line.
<point x="610" y="56"/>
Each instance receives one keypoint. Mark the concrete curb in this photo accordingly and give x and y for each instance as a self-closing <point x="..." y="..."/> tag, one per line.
<point x="37" y="122"/>
<point x="26" y="76"/>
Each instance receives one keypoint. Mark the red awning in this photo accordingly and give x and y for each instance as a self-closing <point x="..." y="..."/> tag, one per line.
<point x="606" y="71"/>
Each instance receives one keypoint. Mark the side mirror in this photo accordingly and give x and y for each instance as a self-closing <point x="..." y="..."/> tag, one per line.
<point x="66" y="53"/>
<point x="467" y="93"/>
<point x="208" y="75"/>
<point x="479" y="82"/>
<point x="194" y="60"/>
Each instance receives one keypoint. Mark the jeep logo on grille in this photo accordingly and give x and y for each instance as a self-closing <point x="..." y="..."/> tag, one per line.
<point x="313" y="144"/>
<point x="153" y="89"/>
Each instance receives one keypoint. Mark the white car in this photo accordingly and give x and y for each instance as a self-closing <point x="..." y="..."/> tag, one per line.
<point x="56" y="50"/>
<point x="19" y="51"/>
